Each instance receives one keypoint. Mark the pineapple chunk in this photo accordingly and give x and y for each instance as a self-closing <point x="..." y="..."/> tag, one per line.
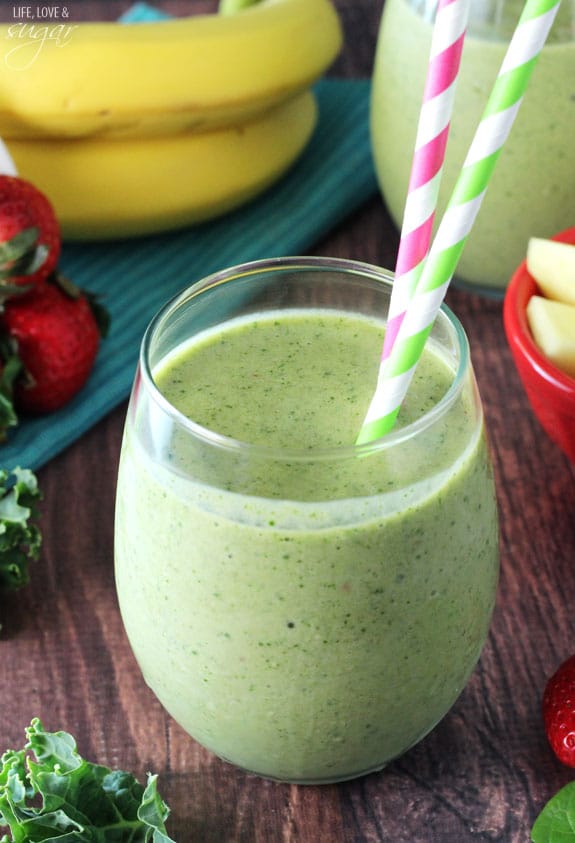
<point x="552" y="325"/>
<point x="552" y="264"/>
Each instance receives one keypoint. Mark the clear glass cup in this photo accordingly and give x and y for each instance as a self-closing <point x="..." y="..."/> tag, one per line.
<point x="532" y="190"/>
<point x="305" y="611"/>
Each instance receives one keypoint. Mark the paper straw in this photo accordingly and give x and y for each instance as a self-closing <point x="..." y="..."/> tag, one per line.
<point x="502" y="107"/>
<point x="427" y="165"/>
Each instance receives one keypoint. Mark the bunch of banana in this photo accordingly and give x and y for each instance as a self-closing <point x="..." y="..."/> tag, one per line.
<point x="106" y="189"/>
<point x="137" y="128"/>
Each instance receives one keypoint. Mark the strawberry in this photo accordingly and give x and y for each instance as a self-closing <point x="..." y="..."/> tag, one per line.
<point x="559" y="712"/>
<point x="54" y="333"/>
<point x="30" y="241"/>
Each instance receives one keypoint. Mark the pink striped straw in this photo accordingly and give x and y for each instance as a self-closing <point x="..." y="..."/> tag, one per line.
<point x="427" y="166"/>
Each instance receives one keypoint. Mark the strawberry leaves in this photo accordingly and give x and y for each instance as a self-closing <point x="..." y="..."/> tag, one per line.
<point x="21" y="255"/>
<point x="10" y="370"/>
<point x="29" y="232"/>
<point x="99" y="311"/>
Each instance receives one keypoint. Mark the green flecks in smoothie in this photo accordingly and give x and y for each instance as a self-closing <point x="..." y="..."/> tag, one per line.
<point x="293" y="377"/>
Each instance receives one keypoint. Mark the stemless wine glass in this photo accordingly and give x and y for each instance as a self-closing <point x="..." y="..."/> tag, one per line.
<point x="532" y="191"/>
<point x="305" y="607"/>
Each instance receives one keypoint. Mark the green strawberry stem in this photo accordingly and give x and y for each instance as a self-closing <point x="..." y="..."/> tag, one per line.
<point x="10" y="369"/>
<point x="21" y="255"/>
<point x="100" y="313"/>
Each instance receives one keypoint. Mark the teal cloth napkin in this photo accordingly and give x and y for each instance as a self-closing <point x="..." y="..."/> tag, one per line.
<point x="135" y="278"/>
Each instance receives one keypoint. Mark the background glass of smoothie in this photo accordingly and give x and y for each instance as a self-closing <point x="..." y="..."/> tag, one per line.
<point x="532" y="191"/>
<point x="304" y="607"/>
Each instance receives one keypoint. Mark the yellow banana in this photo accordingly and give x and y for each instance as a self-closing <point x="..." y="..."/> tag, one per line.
<point x="131" y="80"/>
<point x="112" y="189"/>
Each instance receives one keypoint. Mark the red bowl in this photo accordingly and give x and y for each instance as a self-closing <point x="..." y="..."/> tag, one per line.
<point x="550" y="391"/>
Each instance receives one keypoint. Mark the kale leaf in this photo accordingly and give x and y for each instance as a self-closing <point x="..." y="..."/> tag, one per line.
<point x="49" y="793"/>
<point x="20" y="539"/>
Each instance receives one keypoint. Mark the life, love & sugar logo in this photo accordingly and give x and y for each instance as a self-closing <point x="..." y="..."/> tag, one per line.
<point x="31" y="30"/>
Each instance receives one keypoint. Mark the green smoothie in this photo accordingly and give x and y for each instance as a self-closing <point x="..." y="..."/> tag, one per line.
<point x="316" y="614"/>
<point x="532" y="191"/>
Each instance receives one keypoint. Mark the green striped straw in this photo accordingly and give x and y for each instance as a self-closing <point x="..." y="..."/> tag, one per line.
<point x="500" y="112"/>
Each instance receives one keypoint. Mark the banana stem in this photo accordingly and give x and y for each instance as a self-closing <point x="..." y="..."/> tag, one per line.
<point x="230" y="7"/>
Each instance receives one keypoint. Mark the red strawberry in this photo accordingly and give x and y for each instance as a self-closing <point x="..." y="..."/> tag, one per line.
<point x="559" y="712"/>
<point x="24" y="208"/>
<point x="56" y="337"/>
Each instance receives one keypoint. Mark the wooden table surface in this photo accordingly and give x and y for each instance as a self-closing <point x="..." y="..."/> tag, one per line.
<point x="486" y="770"/>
